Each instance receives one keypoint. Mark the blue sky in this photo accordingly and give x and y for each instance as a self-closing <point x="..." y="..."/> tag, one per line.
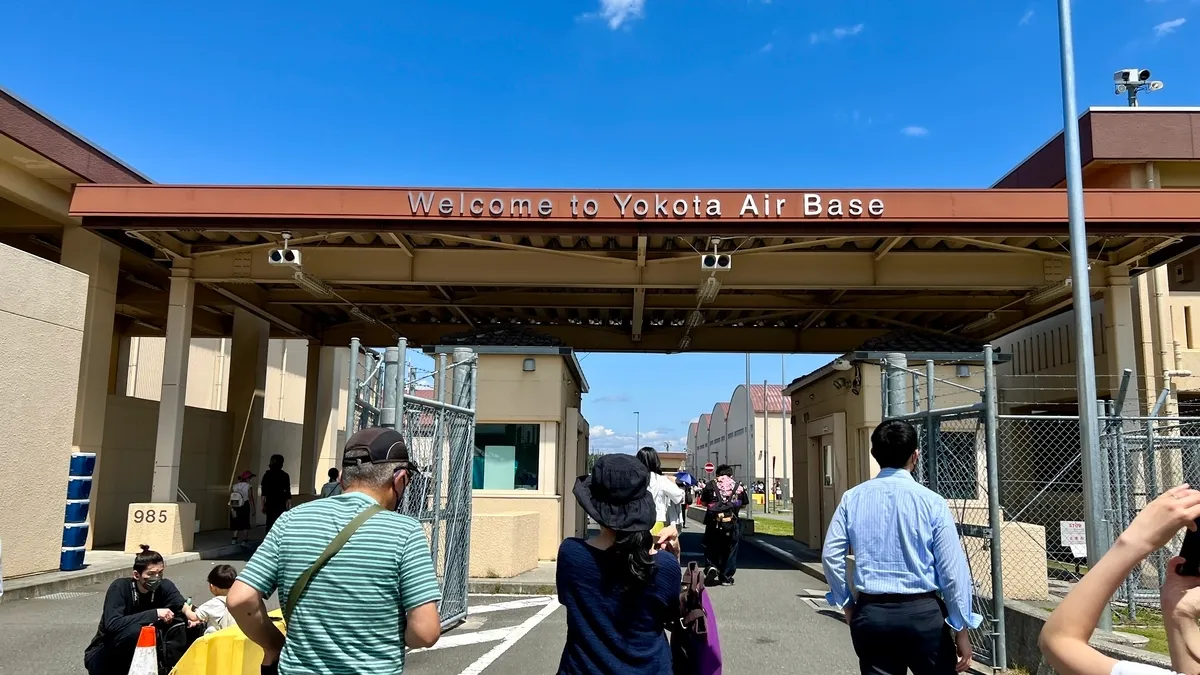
<point x="587" y="93"/>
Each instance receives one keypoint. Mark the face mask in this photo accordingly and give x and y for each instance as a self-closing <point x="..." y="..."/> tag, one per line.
<point x="151" y="583"/>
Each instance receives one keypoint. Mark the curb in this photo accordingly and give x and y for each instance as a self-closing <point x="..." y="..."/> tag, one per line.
<point x="501" y="587"/>
<point x="49" y="583"/>
<point x="813" y="570"/>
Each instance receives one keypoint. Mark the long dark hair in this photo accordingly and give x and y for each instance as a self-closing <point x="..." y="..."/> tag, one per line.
<point x="649" y="457"/>
<point x="146" y="558"/>
<point x="631" y="560"/>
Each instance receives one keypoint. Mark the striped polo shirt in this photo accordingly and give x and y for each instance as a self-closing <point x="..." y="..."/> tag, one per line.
<point x="351" y="619"/>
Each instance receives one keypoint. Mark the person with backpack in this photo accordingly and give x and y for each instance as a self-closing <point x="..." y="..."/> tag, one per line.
<point x="723" y="499"/>
<point x="620" y="588"/>
<point x="333" y="486"/>
<point x="276" y="486"/>
<point x="241" y="508"/>
<point x="356" y="581"/>
<point x="146" y="599"/>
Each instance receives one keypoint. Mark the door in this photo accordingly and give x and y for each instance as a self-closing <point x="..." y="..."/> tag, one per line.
<point x="829" y="480"/>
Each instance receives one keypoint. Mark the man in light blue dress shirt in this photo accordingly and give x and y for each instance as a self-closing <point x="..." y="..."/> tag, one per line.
<point x="914" y="588"/>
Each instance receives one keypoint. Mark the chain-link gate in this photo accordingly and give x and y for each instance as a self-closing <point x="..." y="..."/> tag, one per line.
<point x="438" y="426"/>
<point x="957" y="429"/>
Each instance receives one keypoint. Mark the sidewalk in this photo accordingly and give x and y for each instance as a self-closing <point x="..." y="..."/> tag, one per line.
<point x="108" y="563"/>
<point x="538" y="581"/>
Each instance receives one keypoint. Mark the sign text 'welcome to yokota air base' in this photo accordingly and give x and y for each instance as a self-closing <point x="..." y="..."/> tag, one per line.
<point x="618" y="205"/>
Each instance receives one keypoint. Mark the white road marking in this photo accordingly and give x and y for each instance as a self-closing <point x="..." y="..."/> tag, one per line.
<point x="513" y="604"/>
<point x="512" y="638"/>
<point x="464" y="639"/>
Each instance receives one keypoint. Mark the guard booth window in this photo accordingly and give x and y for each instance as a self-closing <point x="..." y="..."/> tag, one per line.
<point x="507" y="457"/>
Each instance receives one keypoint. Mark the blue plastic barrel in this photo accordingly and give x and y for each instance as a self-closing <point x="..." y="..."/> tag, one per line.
<point x="74" y="535"/>
<point x="72" y="558"/>
<point x="83" y="463"/>
<point x="79" y="487"/>
<point x="77" y="510"/>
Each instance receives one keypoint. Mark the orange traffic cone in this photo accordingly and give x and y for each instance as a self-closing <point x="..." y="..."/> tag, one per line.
<point x="145" y="657"/>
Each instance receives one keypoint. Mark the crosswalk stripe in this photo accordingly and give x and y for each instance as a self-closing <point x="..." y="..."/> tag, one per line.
<point x="464" y="639"/>
<point x="512" y="604"/>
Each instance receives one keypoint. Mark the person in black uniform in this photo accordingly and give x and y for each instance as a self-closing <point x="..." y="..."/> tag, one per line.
<point x="276" y="490"/>
<point x="146" y="599"/>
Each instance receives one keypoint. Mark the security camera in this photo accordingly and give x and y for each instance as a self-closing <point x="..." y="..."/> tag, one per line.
<point x="285" y="255"/>
<point x="1131" y="77"/>
<point x="842" y="364"/>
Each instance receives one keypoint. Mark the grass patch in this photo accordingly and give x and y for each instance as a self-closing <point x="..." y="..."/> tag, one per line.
<point x="771" y="526"/>
<point x="1156" y="634"/>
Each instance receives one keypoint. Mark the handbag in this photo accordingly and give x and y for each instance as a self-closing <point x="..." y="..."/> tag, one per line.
<point x="334" y="546"/>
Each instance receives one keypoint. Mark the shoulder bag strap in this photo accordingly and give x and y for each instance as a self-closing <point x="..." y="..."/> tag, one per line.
<point x="334" y="546"/>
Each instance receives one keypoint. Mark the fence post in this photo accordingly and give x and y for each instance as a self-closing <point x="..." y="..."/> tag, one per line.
<point x="897" y="365"/>
<point x="352" y="388"/>
<point x="391" y="386"/>
<point x="401" y="384"/>
<point x="439" y="459"/>
<point x="991" y="415"/>
<point x="931" y="428"/>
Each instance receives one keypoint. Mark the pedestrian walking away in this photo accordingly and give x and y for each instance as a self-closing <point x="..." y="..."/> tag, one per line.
<point x="913" y="610"/>
<point x="355" y="578"/>
<point x="276" y="486"/>
<point x="723" y="499"/>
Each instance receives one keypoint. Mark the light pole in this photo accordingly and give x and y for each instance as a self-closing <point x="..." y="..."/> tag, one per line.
<point x="637" y="417"/>
<point x="1085" y="373"/>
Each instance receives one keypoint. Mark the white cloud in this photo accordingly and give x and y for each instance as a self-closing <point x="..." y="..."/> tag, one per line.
<point x="618" y="12"/>
<point x="1168" y="27"/>
<point x="600" y="431"/>
<point x="839" y="33"/>
<point x="694" y="420"/>
<point x="1026" y="18"/>
<point x="610" y="398"/>
<point x="767" y="47"/>
<point x="914" y="131"/>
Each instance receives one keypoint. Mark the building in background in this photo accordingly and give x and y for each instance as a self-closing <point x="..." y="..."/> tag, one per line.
<point x="722" y="436"/>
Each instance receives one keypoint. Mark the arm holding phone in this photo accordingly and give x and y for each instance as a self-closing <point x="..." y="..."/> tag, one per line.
<point x="1064" y="638"/>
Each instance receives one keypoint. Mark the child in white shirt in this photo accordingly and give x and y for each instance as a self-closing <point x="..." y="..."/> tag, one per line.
<point x="214" y="614"/>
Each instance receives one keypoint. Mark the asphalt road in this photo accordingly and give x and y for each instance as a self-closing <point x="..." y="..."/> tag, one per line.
<point x="767" y="625"/>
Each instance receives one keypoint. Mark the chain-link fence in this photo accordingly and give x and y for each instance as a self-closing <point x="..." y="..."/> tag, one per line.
<point x="948" y="404"/>
<point x="438" y="426"/>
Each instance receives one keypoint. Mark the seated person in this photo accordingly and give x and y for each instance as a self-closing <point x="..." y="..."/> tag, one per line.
<point x="146" y="599"/>
<point x="214" y="615"/>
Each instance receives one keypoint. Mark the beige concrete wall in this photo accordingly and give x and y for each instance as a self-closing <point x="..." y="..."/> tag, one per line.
<point x="548" y="508"/>
<point x="129" y="433"/>
<point x="40" y="347"/>
<point x="499" y="544"/>
<point x="509" y="394"/>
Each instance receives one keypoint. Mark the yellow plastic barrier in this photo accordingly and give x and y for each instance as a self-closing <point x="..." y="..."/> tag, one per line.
<point x="225" y="652"/>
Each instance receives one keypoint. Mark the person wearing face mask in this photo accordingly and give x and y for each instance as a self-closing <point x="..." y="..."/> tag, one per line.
<point x="376" y="592"/>
<point x="145" y="600"/>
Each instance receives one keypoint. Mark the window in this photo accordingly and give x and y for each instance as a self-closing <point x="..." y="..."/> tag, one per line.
<point x="507" y="457"/>
<point x="827" y="462"/>
<point x="957" y="468"/>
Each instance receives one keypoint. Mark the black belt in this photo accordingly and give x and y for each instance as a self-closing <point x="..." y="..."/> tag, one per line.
<point x="867" y="598"/>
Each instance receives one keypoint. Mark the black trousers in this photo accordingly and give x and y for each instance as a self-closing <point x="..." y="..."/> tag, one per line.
<point x="894" y="634"/>
<point x="721" y="549"/>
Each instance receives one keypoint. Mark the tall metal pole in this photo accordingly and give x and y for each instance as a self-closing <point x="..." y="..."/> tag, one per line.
<point x="992" y="419"/>
<point x="766" y="451"/>
<point x="783" y="406"/>
<point x="637" y="417"/>
<point x="748" y="467"/>
<point x="1089" y="432"/>
<point x="352" y="388"/>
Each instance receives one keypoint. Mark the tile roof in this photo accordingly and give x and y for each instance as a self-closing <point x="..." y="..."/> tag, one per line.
<point x="705" y="421"/>
<point x="724" y="408"/>
<point x="771" y="400"/>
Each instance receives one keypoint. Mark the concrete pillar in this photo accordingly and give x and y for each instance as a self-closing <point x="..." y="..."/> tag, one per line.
<point x="575" y="465"/>
<point x="247" y="390"/>
<point x="1120" y="340"/>
<point x="100" y="259"/>
<point x="120" y="378"/>
<point x="319" y="389"/>
<point x="168" y="445"/>
<point x="332" y="373"/>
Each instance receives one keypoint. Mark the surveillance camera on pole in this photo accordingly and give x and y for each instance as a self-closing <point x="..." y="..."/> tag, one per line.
<point x="285" y="255"/>
<point x="1132" y="80"/>
<point x="714" y="260"/>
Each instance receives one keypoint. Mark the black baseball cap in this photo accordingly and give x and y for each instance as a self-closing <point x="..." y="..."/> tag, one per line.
<point x="375" y="445"/>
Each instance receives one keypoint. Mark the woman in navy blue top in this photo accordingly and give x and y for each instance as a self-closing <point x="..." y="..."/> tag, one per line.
<point x="619" y="590"/>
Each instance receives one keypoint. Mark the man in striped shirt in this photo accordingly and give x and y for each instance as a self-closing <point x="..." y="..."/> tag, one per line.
<point x="913" y="609"/>
<point x="376" y="595"/>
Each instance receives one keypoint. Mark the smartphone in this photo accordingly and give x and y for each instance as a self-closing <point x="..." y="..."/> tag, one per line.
<point x="1190" y="552"/>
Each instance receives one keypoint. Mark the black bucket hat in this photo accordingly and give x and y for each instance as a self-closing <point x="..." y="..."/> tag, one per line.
<point x="616" y="494"/>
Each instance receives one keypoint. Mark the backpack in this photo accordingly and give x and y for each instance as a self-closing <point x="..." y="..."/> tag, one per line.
<point x="236" y="499"/>
<point x="695" y="644"/>
<point x="172" y="642"/>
